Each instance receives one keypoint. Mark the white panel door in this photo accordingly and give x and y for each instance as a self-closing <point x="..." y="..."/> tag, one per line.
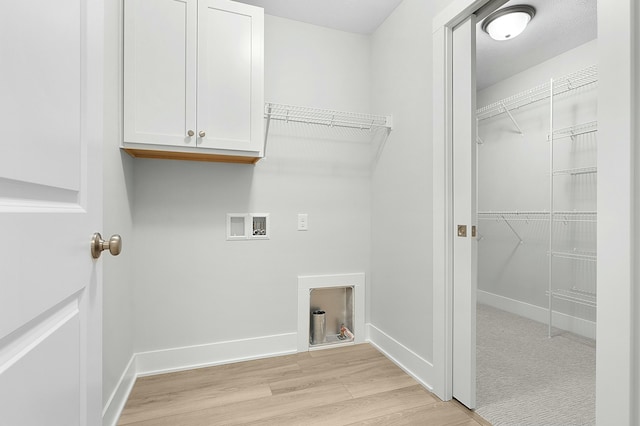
<point x="51" y="55"/>
<point x="465" y="213"/>
<point x="230" y="75"/>
<point x="160" y="71"/>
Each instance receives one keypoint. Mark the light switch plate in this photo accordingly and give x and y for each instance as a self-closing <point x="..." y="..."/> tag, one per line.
<point x="303" y="222"/>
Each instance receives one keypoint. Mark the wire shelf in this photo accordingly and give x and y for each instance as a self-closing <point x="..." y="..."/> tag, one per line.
<point x="514" y="215"/>
<point x="575" y="80"/>
<point x="325" y="117"/>
<point x="575" y="216"/>
<point x="577" y="130"/>
<point x="561" y="85"/>
<point x="576" y="295"/>
<point x="576" y="171"/>
<point x="576" y="255"/>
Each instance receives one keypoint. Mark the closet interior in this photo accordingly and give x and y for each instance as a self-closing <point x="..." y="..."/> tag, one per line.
<point x="554" y="139"/>
<point x="537" y="144"/>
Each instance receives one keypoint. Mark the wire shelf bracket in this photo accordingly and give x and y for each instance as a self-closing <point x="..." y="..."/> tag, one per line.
<point x="479" y="140"/>
<point x="513" y="120"/>
<point x="506" y="217"/>
<point x="513" y="230"/>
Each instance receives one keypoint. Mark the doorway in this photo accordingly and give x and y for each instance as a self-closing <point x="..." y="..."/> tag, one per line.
<point x="615" y="348"/>
<point x="537" y="155"/>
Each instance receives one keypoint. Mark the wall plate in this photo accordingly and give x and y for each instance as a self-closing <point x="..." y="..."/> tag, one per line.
<point x="247" y="226"/>
<point x="237" y="226"/>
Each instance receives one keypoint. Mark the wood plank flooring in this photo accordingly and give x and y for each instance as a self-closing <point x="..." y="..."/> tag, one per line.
<point x="340" y="386"/>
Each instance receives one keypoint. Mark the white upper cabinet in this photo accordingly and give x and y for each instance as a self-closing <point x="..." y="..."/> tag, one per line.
<point x="160" y="71"/>
<point x="193" y="80"/>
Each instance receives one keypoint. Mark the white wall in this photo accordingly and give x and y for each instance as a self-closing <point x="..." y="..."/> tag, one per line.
<point x="118" y="173"/>
<point x="401" y="283"/>
<point x="617" y="360"/>
<point x="192" y="287"/>
<point x="513" y="175"/>
<point x="569" y="61"/>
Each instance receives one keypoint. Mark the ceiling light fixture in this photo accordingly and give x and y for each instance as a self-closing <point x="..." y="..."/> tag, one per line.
<point x="508" y="23"/>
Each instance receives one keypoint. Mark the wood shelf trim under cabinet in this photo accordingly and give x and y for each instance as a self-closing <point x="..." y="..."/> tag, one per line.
<point x="190" y="156"/>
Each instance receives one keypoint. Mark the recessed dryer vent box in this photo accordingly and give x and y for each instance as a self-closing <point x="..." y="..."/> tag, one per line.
<point x="247" y="226"/>
<point x="259" y="226"/>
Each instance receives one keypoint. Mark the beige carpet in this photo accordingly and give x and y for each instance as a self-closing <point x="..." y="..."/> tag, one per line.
<point x="526" y="379"/>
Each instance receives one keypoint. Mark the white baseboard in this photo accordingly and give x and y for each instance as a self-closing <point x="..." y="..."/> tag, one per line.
<point x="412" y="363"/>
<point x="190" y="357"/>
<point x="186" y="358"/>
<point x="562" y="321"/>
<point x="117" y="400"/>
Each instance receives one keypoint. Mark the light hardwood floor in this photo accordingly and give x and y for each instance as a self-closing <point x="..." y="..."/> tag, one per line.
<point x="340" y="386"/>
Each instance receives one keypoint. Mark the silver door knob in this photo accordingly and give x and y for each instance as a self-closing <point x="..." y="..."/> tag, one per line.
<point x="114" y="245"/>
<point x="190" y="133"/>
<point x="202" y="134"/>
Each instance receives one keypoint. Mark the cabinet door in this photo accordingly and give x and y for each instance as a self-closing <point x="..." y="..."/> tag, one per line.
<point x="160" y="71"/>
<point x="230" y="76"/>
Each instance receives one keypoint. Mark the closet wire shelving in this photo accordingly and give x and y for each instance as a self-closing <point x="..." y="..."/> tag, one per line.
<point x="571" y="134"/>
<point x="324" y="117"/>
<point x="539" y="93"/>
<point x="537" y="216"/>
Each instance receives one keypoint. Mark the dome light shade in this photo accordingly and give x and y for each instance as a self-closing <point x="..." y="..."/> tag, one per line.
<point x="507" y="23"/>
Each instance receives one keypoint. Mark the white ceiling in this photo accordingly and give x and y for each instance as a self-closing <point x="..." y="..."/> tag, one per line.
<point x="559" y="25"/>
<point x="356" y="16"/>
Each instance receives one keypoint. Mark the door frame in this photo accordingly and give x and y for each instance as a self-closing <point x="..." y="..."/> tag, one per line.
<point x="93" y="115"/>
<point x="616" y="350"/>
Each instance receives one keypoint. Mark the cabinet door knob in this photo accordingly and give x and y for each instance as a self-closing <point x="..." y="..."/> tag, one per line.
<point x="190" y="133"/>
<point x="202" y="134"/>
